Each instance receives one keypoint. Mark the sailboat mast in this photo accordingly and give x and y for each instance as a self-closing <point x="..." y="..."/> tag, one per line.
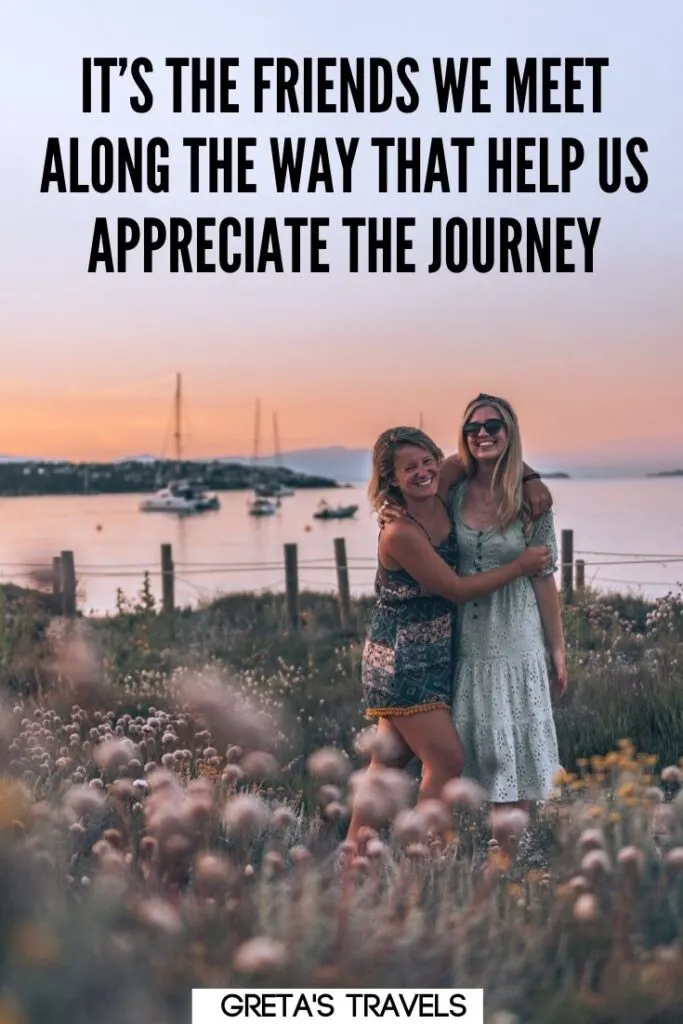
<point x="277" y="459"/>
<point x="422" y="422"/>
<point x="257" y="430"/>
<point x="177" y="435"/>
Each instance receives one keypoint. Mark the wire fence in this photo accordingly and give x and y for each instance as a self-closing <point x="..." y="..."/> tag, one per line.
<point x="576" y="567"/>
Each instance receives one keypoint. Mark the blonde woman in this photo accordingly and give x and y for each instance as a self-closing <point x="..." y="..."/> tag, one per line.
<point x="407" y="660"/>
<point x="501" y="705"/>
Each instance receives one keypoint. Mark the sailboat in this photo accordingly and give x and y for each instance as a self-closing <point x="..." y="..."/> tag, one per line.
<point x="261" y="504"/>
<point x="269" y="489"/>
<point x="275" y="489"/>
<point x="184" y="497"/>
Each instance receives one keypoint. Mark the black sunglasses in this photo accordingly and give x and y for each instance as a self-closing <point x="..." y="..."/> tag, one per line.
<point x="492" y="427"/>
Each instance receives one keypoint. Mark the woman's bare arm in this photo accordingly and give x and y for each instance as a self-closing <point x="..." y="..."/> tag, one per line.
<point x="450" y="471"/>
<point x="406" y="545"/>
<point x="548" y="601"/>
<point x="536" y="495"/>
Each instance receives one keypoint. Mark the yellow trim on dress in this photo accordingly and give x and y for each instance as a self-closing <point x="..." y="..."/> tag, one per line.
<point x="435" y="705"/>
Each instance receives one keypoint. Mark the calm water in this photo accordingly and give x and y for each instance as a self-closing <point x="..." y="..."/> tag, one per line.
<point x="228" y="550"/>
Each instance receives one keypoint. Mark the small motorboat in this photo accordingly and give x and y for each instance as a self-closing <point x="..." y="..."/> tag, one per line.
<point x="274" y="490"/>
<point x="325" y="511"/>
<point x="259" y="506"/>
<point x="181" y="496"/>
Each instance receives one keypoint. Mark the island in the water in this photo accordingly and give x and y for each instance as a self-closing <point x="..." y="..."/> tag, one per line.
<point x="138" y="477"/>
<point x="556" y="476"/>
<point x="667" y="472"/>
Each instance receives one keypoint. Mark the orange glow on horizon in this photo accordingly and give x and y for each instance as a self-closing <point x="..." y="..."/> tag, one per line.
<point x="94" y="424"/>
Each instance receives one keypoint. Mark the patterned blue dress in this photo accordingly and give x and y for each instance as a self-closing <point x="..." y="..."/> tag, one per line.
<point x="408" y="655"/>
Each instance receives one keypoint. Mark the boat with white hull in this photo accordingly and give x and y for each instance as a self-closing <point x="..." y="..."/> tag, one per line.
<point x="182" y="497"/>
<point x="259" y="506"/>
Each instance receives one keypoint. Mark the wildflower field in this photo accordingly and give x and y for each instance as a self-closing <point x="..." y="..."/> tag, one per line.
<point x="174" y="795"/>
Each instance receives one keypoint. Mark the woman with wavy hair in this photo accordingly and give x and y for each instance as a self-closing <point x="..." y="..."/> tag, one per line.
<point x="501" y="704"/>
<point x="407" y="665"/>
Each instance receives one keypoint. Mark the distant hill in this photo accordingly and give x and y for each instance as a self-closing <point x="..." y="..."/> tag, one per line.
<point x="352" y="465"/>
<point x="135" y="476"/>
<point x="347" y="465"/>
<point x="140" y="459"/>
<point x="10" y="459"/>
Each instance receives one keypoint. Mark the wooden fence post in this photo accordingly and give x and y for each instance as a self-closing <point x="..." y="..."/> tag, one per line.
<point x="580" y="574"/>
<point x="68" y="575"/>
<point x="167" y="579"/>
<point x="343" y="582"/>
<point x="567" y="565"/>
<point x="57" y="580"/>
<point x="292" y="586"/>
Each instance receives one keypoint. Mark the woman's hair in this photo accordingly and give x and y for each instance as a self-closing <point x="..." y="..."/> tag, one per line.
<point x="382" y="487"/>
<point x="509" y="468"/>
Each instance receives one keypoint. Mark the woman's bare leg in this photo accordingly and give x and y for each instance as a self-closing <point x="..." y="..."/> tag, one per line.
<point x="396" y="754"/>
<point x="433" y="738"/>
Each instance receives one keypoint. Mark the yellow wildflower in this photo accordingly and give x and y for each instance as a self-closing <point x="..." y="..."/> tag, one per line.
<point x="9" y="1011"/>
<point x="34" y="944"/>
<point x="499" y="861"/>
<point x="15" y="802"/>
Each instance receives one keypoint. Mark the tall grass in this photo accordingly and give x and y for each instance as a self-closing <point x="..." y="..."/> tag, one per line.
<point x="164" y="824"/>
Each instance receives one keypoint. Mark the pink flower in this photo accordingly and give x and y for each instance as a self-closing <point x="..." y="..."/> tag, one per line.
<point x="329" y="765"/>
<point x="245" y="815"/>
<point x="591" y="839"/>
<point x="631" y="859"/>
<point x="260" y="956"/>
<point x="595" y="864"/>
<point x="463" y="793"/>
<point x="586" y="908"/>
<point x="509" y="822"/>
<point x="674" y="858"/>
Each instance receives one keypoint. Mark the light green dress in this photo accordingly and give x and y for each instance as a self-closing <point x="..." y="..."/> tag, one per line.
<point x="501" y="693"/>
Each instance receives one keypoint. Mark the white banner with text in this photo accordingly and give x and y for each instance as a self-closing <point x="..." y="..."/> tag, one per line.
<point x="337" y="1006"/>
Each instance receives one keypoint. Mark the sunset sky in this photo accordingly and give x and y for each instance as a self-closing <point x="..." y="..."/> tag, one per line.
<point x="594" y="363"/>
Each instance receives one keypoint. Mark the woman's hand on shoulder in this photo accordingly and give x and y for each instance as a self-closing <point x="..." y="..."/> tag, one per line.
<point x="538" y="498"/>
<point x="388" y="513"/>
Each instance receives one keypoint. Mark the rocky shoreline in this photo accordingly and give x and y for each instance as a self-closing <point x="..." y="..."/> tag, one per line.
<point x="68" y="478"/>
